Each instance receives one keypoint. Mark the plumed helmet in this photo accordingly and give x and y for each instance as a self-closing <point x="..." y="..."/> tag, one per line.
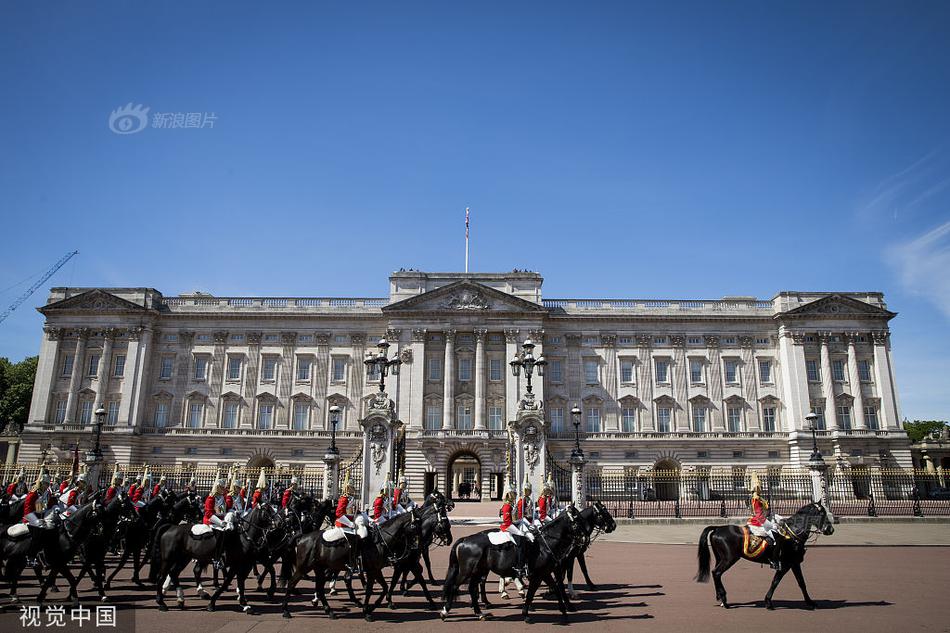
<point x="402" y="480"/>
<point x="162" y="479"/>
<point x="42" y="479"/>
<point x="261" y="480"/>
<point x="293" y="480"/>
<point x="755" y="483"/>
<point x="20" y="476"/>
<point x="509" y="494"/>
<point x="347" y="486"/>
<point x="527" y="487"/>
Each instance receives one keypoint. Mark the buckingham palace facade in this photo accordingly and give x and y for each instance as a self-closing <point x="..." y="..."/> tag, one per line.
<point x="198" y="379"/>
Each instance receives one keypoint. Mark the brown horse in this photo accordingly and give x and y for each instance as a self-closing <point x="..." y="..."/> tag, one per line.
<point x="728" y="544"/>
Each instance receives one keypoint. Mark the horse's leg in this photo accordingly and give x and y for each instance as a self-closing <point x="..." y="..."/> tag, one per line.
<point x="175" y="576"/>
<point x="800" y="578"/>
<point x="425" y="557"/>
<point x="199" y="590"/>
<point x="228" y="576"/>
<point x="242" y="593"/>
<point x="160" y="580"/>
<point x="71" y="579"/>
<point x="321" y="579"/>
<point x="417" y="572"/>
<point x="273" y="578"/>
<point x="582" y="561"/>
<point x="569" y="574"/>
<point x="348" y="581"/>
<point x="473" y="594"/>
<point x="137" y="564"/>
<point x="724" y="560"/>
<point x="44" y="587"/>
<point x="367" y="594"/>
<point x="563" y="603"/>
<point x="776" y="579"/>
<point x="534" y="581"/>
<point x="119" y="566"/>
<point x="481" y="584"/>
<point x="397" y="572"/>
<point x="298" y="574"/>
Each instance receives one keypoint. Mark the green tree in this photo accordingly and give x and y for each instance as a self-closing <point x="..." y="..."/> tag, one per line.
<point x="16" y="390"/>
<point x="920" y="429"/>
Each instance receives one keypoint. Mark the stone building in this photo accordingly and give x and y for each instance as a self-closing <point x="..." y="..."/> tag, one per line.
<point x="662" y="384"/>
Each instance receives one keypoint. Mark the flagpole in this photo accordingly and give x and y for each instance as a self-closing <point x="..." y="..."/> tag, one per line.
<point x="466" y="239"/>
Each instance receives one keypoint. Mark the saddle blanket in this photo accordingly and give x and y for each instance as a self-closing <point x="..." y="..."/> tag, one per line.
<point x="18" y="530"/>
<point x="752" y="544"/>
<point x="500" y="538"/>
<point x="334" y="534"/>
<point x="199" y="530"/>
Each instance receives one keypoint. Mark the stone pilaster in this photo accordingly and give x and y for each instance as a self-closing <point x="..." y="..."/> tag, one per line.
<point x="356" y="385"/>
<point x="854" y="382"/>
<point x="251" y="376"/>
<point x="75" y="378"/>
<point x="680" y="371"/>
<point x="480" y="378"/>
<point x="448" y="382"/>
<point x="884" y="380"/>
<point x="611" y="413"/>
<point x="827" y="386"/>
<point x="136" y="385"/>
<point x="750" y="386"/>
<point x="103" y="372"/>
<point x="645" y="383"/>
<point x="415" y="418"/>
<point x="320" y="374"/>
<point x="512" y="395"/>
<point x="44" y="385"/>
<point x="285" y="379"/>
<point x="714" y="378"/>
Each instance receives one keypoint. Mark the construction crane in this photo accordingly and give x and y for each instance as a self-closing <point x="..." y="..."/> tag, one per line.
<point x="32" y="289"/>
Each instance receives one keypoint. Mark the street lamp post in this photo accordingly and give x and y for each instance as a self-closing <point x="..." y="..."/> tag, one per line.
<point x="578" y="489"/>
<point x="97" y="450"/>
<point x="382" y="363"/>
<point x="812" y="420"/>
<point x="334" y="421"/>
<point x="525" y="361"/>
<point x="577" y="452"/>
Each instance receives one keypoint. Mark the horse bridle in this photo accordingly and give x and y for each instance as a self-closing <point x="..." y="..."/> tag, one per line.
<point x="410" y="544"/>
<point x="443" y="516"/>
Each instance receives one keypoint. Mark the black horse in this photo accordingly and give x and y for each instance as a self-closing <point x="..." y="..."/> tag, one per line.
<point x="727" y="544"/>
<point x="473" y="557"/>
<point x="93" y="552"/>
<point x="596" y="519"/>
<point x="434" y="526"/>
<point x="304" y="515"/>
<point x="137" y="535"/>
<point x="60" y="544"/>
<point x="388" y="544"/>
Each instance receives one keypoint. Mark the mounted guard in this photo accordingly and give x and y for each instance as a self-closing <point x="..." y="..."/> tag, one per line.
<point x="36" y="510"/>
<point x="114" y="485"/>
<point x="762" y="526"/>
<point x="547" y="502"/>
<point x="259" y="489"/>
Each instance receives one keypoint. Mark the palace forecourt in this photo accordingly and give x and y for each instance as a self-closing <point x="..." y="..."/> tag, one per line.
<point x="705" y="388"/>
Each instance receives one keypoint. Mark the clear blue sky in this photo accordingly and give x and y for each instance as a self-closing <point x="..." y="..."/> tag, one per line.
<point x="622" y="150"/>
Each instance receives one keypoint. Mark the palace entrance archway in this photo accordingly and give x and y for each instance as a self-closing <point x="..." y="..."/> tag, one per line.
<point x="260" y="461"/>
<point x="666" y="474"/>
<point x="464" y="471"/>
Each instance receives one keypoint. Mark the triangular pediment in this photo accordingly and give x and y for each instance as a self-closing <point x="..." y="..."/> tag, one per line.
<point x="838" y="306"/>
<point x="95" y="300"/>
<point x="464" y="297"/>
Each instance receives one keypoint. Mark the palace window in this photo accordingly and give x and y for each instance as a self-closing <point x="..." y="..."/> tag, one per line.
<point x="269" y="369"/>
<point x="435" y="368"/>
<point x="305" y="338"/>
<point x="67" y="365"/>
<point x="768" y="419"/>
<point x="820" y="422"/>
<point x="113" y="415"/>
<point x="339" y="338"/>
<point x="161" y="415"/>
<point x="433" y="417"/>
<point x="465" y="369"/>
<point x="659" y="340"/>
<point x="118" y="367"/>
<point x="837" y="370"/>
<point x="844" y="416"/>
<point x="270" y="338"/>
<point x="85" y="412"/>
<point x="93" y="365"/>
<point x="662" y="371"/>
<point x="699" y="419"/>
<point x="168" y="364"/>
<point x="593" y="420"/>
<point x="729" y="340"/>
<point x="813" y="369"/>
<point x="237" y="338"/>
<point x="201" y="367"/>
<point x="554" y="371"/>
<point x="301" y="415"/>
<point x="338" y="370"/>
<point x="230" y="418"/>
<point x="234" y="368"/>
<point x="60" y="412"/>
<point x="203" y="338"/>
<point x="626" y="371"/>
<point x="694" y="340"/>
<point x="696" y="371"/>
<point x="557" y="419"/>
<point x="765" y="372"/>
<point x="494" y="418"/>
<point x="303" y="369"/>
<point x="195" y="411"/>
<point x="171" y="338"/>
<point x="265" y="416"/>
<point x="590" y="372"/>
<point x="734" y="419"/>
<point x="864" y="370"/>
<point x="628" y="420"/>
<point x="663" y="415"/>
<point x="870" y="418"/>
<point x="463" y="417"/>
<point x="495" y="370"/>
<point x="732" y="372"/>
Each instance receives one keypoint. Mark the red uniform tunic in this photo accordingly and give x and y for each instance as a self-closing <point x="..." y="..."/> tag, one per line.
<point x="543" y="504"/>
<point x="137" y="494"/>
<point x="63" y="486"/>
<point x="73" y="497"/>
<point x="210" y="503"/>
<point x="758" y="517"/>
<point x="396" y="494"/>
<point x="505" y="517"/>
<point x="288" y="495"/>
<point x="157" y="488"/>
<point x="341" y="507"/>
<point x="29" y="506"/>
<point x="228" y="501"/>
<point x="110" y="493"/>
<point x="379" y="504"/>
<point x="132" y="489"/>
<point x="256" y="498"/>
<point x="11" y="489"/>
<point x="525" y="508"/>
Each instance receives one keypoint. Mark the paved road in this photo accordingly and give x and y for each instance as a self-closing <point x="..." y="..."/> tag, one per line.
<point x="642" y="587"/>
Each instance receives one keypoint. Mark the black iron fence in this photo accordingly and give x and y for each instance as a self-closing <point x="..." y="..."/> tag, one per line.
<point x="875" y="492"/>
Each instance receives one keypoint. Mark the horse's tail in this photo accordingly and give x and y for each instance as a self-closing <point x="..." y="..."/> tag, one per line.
<point x="449" y="588"/>
<point x="155" y="555"/>
<point x="703" y="574"/>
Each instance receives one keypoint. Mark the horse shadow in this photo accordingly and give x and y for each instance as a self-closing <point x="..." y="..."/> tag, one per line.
<point x="820" y="604"/>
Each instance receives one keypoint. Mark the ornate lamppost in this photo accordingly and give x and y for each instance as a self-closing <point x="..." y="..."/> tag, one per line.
<point x="578" y="490"/>
<point x="577" y="451"/>
<point x="812" y="420"/>
<point x="382" y="363"/>
<point x="334" y="421"/>
<point x="380" y="426"/>
<point x="331" y="459"/>
<point x="94" y="457"/>
<point x="817" y="467"/>
<point x="525" y="361"/>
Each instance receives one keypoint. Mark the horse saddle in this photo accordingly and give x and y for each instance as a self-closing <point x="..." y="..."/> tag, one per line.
<point x="752" y="544"/>
<point x="333" y="535"/>
<point x="200" y="531"/>
<point x="18" y="530"/>
<point x="500" y="538"/>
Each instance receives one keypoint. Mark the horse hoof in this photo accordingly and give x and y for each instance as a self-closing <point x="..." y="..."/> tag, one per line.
<point x="163" y="607"/>
<point x="286" y="614"/>
<point x="572" y="608"/>
<point x="770" y="606"/>
<point x="483" y="616"/>
<point x="527" y="619"/>
<point x="103" y="598"/>
<point x="210" y="607"/>
<point x="314" y="602"/>
<point x="107" y="586"/>
<point x="504" y="594"/>
<point x="204" y="595"/>
<point x="250" y="611"/>
<point x="331" y="615"/>
<point x="392" y="605"/>
<point x="443" y="614"/>
<point x="368" y="617"/>
<point x="811" y="606"/>
<point x="181" y="605"/>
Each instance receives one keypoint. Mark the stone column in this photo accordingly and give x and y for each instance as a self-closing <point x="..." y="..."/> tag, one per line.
<point x="75" y="378"/>
<point x="795" y="397"/>
<point x="884" y="381"/>
<point x="285" y="377"/>
<point x="321" y="379"/>
<point x="216" y="374"/>
<point x="611" y="413"/>
<point x="714" y="383"/>
<point x="44" y="386"/>
<point x="512" y="397"/>
<point x="854" y="381"/>
<point x="251" y="375"/>
<point x="645" y="383"/>
<point x="331" y="475"/>
<point x="357" y="382"/>
<point x="578" y="487"/>
<point x="103" y="372"/>
<point x="750" y="388"/>
<point x="448" y="382"/>
<point x="827" y="386"/>
<point x="680" y="371"/>
<point x="415" y="417"/>
<point x="135" y="383"/>
<point x="480" y="422"/>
